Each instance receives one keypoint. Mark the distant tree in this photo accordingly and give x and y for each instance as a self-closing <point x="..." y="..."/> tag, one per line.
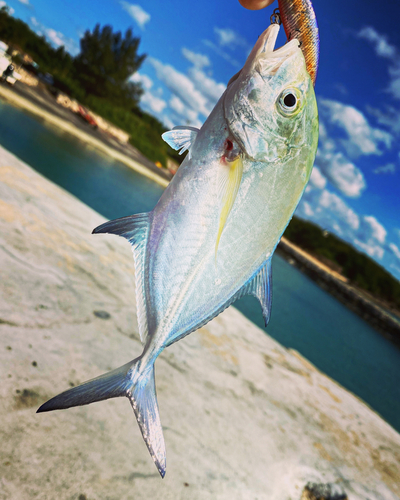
<point x="359" y="268"/>
<point x="106" y="62"/>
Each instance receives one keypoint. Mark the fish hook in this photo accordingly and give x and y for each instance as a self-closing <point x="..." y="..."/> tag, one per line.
<point x="276" y="17"/>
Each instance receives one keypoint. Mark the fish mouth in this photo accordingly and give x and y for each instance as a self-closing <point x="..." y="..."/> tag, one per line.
<point x="264" y="51"/>
<point x="241" y="100"/>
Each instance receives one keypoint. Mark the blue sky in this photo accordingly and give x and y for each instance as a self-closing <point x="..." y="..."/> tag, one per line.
<point x="194" y="48"/>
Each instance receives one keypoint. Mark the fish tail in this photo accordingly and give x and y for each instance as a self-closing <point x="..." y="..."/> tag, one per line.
<point x="138" y="386"/>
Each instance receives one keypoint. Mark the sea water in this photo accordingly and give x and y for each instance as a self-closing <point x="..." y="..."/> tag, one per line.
<point x="304" y="317"/>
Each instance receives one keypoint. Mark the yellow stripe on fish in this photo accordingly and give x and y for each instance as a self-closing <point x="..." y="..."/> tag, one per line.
<point x="230" y="178"/>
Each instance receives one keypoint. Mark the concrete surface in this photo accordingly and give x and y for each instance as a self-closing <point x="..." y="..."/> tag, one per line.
<point x="243" y="417"/>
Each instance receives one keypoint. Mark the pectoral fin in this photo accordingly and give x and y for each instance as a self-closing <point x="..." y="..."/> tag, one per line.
<point x="229" y="182"/>
<point x="181" y="138"/>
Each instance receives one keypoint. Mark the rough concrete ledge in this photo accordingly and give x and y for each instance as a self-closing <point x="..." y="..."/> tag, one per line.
<point x="243" y="417"/>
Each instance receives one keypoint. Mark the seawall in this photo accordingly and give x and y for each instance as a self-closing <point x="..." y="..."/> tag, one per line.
<point x="243" y="417"/>
<point x="350" y="296"/>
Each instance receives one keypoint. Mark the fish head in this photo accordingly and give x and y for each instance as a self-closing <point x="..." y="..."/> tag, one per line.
<point x="270" y="106"/>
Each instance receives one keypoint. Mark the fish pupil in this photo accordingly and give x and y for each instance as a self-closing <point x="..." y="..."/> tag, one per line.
<point x="289" y="100"/>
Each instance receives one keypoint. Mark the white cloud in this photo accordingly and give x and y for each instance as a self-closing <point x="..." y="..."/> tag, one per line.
<point x="342" y="173"/>
<point x="193" y="94"/>
<point x="206" y="85"/>
<point x="25" y="2"/>
<point x="345" y="135"/>
<point x="332" y="213"/>
<point x="373" y="250"/>
<point x="10" y="9"/>
<point x="306" y="208"/>
<point x="341" y="88"/>
<point x="394" y="84"/>
<point x="363" y="139"/>
<point x="333" y="203"/>
<point x="395" y="249"/>
<point x="372" y="229"/>
<point x="181" y="86"/>
<point x="389" y="168"/>
<point x="227" y="37"/>
<point x="329" y="211"/>
<point x="144" y="80"/>
<point x="389" y="116"/>
<point x="198" y="60"/>
<point x="317" y="179"/>
<point x="222" y="54"/>
<point x="56" y="38"/>
<point x="380" y="43"/>
<point x="136" y="12"/>
<point x="153" y="102"/>
<point x="384" y="49"/>
<point x="183" y="114"/>
<point x="386" y="115"/>
<point x="371" y="236"/>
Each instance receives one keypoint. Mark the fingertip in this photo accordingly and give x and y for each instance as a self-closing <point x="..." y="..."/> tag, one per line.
<point x="255" y="4"/>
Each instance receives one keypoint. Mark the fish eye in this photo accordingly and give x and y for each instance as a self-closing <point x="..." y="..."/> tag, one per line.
<point x="289" y="102"/>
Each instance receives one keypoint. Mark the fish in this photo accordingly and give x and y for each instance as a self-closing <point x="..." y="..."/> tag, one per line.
<point x="300" y="22"/>
<point x="211" y="236"/>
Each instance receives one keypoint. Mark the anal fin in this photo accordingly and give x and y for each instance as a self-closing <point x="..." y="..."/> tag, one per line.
<point x="261" y="287"/>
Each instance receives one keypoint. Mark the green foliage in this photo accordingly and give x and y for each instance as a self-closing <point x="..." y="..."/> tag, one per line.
<point x="356" y="266"/>
<point x="18" y="34"/>
<point x="145" y="130"/>
<point x="98" y="77"/>
<point x="106" y="62"/>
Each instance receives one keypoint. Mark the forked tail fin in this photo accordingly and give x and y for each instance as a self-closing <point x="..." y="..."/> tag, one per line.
<point x="144" y="403"/>
<point x="139" y="388"/>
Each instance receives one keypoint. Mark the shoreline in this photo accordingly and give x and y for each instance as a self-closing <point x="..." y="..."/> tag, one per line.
<point x="339" y="287"/>
<point x="27" y="104"/>
<point x="371" y="311"/>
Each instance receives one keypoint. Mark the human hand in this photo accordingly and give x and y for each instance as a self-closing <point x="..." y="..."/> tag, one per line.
<point x="255" y="4"/>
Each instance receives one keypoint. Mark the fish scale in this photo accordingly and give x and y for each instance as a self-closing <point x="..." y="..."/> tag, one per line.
<point x="211" y="236"/>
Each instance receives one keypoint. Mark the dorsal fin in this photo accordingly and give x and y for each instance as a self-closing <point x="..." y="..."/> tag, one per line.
<point x="135" y="229"/>
<point x="181" y="138"/>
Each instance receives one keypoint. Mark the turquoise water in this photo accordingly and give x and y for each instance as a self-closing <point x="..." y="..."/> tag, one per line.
<point x="304" y="317"/>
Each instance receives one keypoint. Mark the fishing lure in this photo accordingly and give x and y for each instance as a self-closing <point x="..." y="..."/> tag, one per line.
<point x="300" y="22"/>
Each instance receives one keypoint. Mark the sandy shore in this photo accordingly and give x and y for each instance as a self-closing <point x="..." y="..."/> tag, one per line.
<point x="243" y="417"/>
<point x="68" y="126"/>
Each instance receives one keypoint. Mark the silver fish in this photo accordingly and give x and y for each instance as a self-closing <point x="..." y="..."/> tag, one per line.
<point x="211" y="236"/>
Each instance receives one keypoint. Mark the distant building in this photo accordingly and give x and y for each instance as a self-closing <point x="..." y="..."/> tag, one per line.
<point x="3" y="47"/>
